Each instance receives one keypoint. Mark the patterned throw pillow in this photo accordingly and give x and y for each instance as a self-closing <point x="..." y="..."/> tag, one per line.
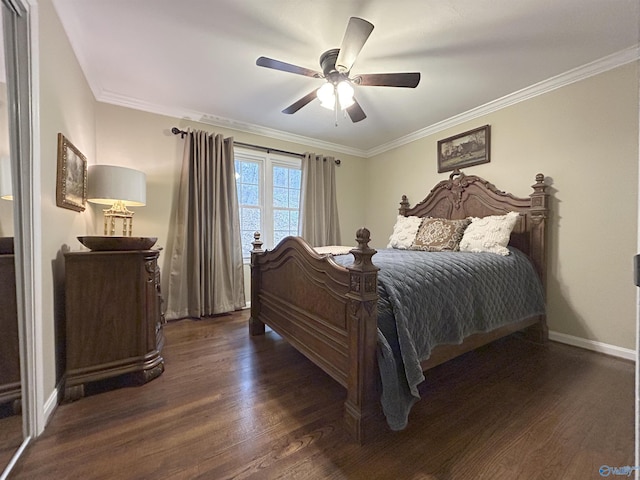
<point x="439" y="234"/>
<point x="404" y="231"/>
<point x="489" y="234"/>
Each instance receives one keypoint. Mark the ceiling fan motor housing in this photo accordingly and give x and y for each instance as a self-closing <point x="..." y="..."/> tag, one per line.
<point x="328" y="64"/>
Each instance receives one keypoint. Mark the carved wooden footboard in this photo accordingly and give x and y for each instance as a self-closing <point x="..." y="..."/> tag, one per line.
<point x="329" y="312"/>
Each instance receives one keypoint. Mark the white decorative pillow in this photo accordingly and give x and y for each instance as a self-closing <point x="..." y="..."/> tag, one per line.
<point x="333" y="250"/>
<point x="489" y="234"/>
<point x="404" y="231"/>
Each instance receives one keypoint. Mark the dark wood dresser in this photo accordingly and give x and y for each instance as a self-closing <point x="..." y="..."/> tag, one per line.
<point x="113" y="318"/>
<point x="9" y="350"/>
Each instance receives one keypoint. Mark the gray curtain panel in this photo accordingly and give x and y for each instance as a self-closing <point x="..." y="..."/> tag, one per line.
<point x="206" y="276"/>
<point x="318" y="205"/>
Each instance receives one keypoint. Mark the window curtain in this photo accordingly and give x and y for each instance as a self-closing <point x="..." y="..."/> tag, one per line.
<point x="318" y="205"/>
<point x="206" y="275"/>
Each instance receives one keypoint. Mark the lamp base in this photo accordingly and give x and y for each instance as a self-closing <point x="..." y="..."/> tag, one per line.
<point x="118" y="210"/>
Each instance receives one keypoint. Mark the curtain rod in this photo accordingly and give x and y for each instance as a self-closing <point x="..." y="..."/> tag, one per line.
<point x="182" y="133"/>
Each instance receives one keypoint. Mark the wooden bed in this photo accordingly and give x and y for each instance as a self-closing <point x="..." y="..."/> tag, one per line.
<point x="328" y="312"/>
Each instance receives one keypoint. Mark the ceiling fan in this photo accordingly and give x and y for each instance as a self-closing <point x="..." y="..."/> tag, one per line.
<point x="337" y="92"/>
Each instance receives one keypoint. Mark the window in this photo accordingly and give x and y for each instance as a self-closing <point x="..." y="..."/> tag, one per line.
<point x="249" y="186"/>
<point x="268" y="196"/>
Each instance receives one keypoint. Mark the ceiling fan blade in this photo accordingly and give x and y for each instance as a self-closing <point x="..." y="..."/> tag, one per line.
<point x="295" y="106"/>
<point x="357" y="33"/>
<point x="355" y="112"/>
<point x="286" y="67"/>
<point x="408" y="80"/>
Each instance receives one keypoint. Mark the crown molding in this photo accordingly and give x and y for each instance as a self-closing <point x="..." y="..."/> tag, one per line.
<point x="602" y="65"/>
<point x="124" y="101"/>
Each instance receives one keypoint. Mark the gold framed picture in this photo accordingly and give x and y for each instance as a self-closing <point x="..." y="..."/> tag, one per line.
<point x="71" y="179"/>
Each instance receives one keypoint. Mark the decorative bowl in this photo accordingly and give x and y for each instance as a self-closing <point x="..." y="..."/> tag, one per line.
<point x="106" y="243"/>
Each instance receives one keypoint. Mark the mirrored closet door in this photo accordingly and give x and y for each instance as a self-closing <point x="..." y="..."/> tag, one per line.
<point x="17" y="374"/>
<point x="10" y="386"/>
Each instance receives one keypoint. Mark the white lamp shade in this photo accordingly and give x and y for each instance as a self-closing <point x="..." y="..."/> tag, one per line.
<point x="107" y="184"/>
<point x="326" y="95"/>
<point x="345" y="94"/>
<point x="6" y="191"/>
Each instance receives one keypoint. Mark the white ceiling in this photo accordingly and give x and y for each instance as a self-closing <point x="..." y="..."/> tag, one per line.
<point x="196" y="58"/>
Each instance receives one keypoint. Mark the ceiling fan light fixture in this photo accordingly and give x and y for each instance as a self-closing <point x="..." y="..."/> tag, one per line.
<point x="345" y="94"/>
<point x="328" y="92"/>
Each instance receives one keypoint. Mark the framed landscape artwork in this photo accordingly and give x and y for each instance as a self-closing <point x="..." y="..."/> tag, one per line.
<point x="464" y="150"/>
<point x="71" y="179"/>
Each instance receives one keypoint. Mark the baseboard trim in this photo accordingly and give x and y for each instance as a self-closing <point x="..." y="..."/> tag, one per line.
<point x="51" y="404"/>
<point x="613" y="350"/>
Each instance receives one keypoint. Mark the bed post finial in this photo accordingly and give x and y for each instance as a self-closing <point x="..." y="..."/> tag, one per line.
<point x="539" y="199"/>
<point x="363" y="237"/>
<point x="362" y="253"/>
<point x="404" y="206"/>
<point x="257" y="243"/>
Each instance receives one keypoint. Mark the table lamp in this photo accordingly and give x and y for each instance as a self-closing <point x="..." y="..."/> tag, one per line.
<point x="119" y="187"/>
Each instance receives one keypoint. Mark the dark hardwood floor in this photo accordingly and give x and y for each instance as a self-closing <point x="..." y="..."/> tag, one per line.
<point x="232" y="406"/>
<point x="10" y="436"/>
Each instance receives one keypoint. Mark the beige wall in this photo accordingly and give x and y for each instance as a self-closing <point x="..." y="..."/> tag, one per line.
<point x="584" y="138"/>
<point x="67" y="106"/>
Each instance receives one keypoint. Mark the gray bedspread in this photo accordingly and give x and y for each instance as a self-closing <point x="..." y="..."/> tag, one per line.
<point x="433" y="298"/>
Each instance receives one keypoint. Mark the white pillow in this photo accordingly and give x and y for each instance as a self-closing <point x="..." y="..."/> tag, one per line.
<point x="404" y="231"/>
<point x="489" y="234"/>
<point x="333" y="250"/>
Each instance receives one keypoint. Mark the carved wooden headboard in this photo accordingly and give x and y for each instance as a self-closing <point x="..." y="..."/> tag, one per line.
<point x="464" y="196"/>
